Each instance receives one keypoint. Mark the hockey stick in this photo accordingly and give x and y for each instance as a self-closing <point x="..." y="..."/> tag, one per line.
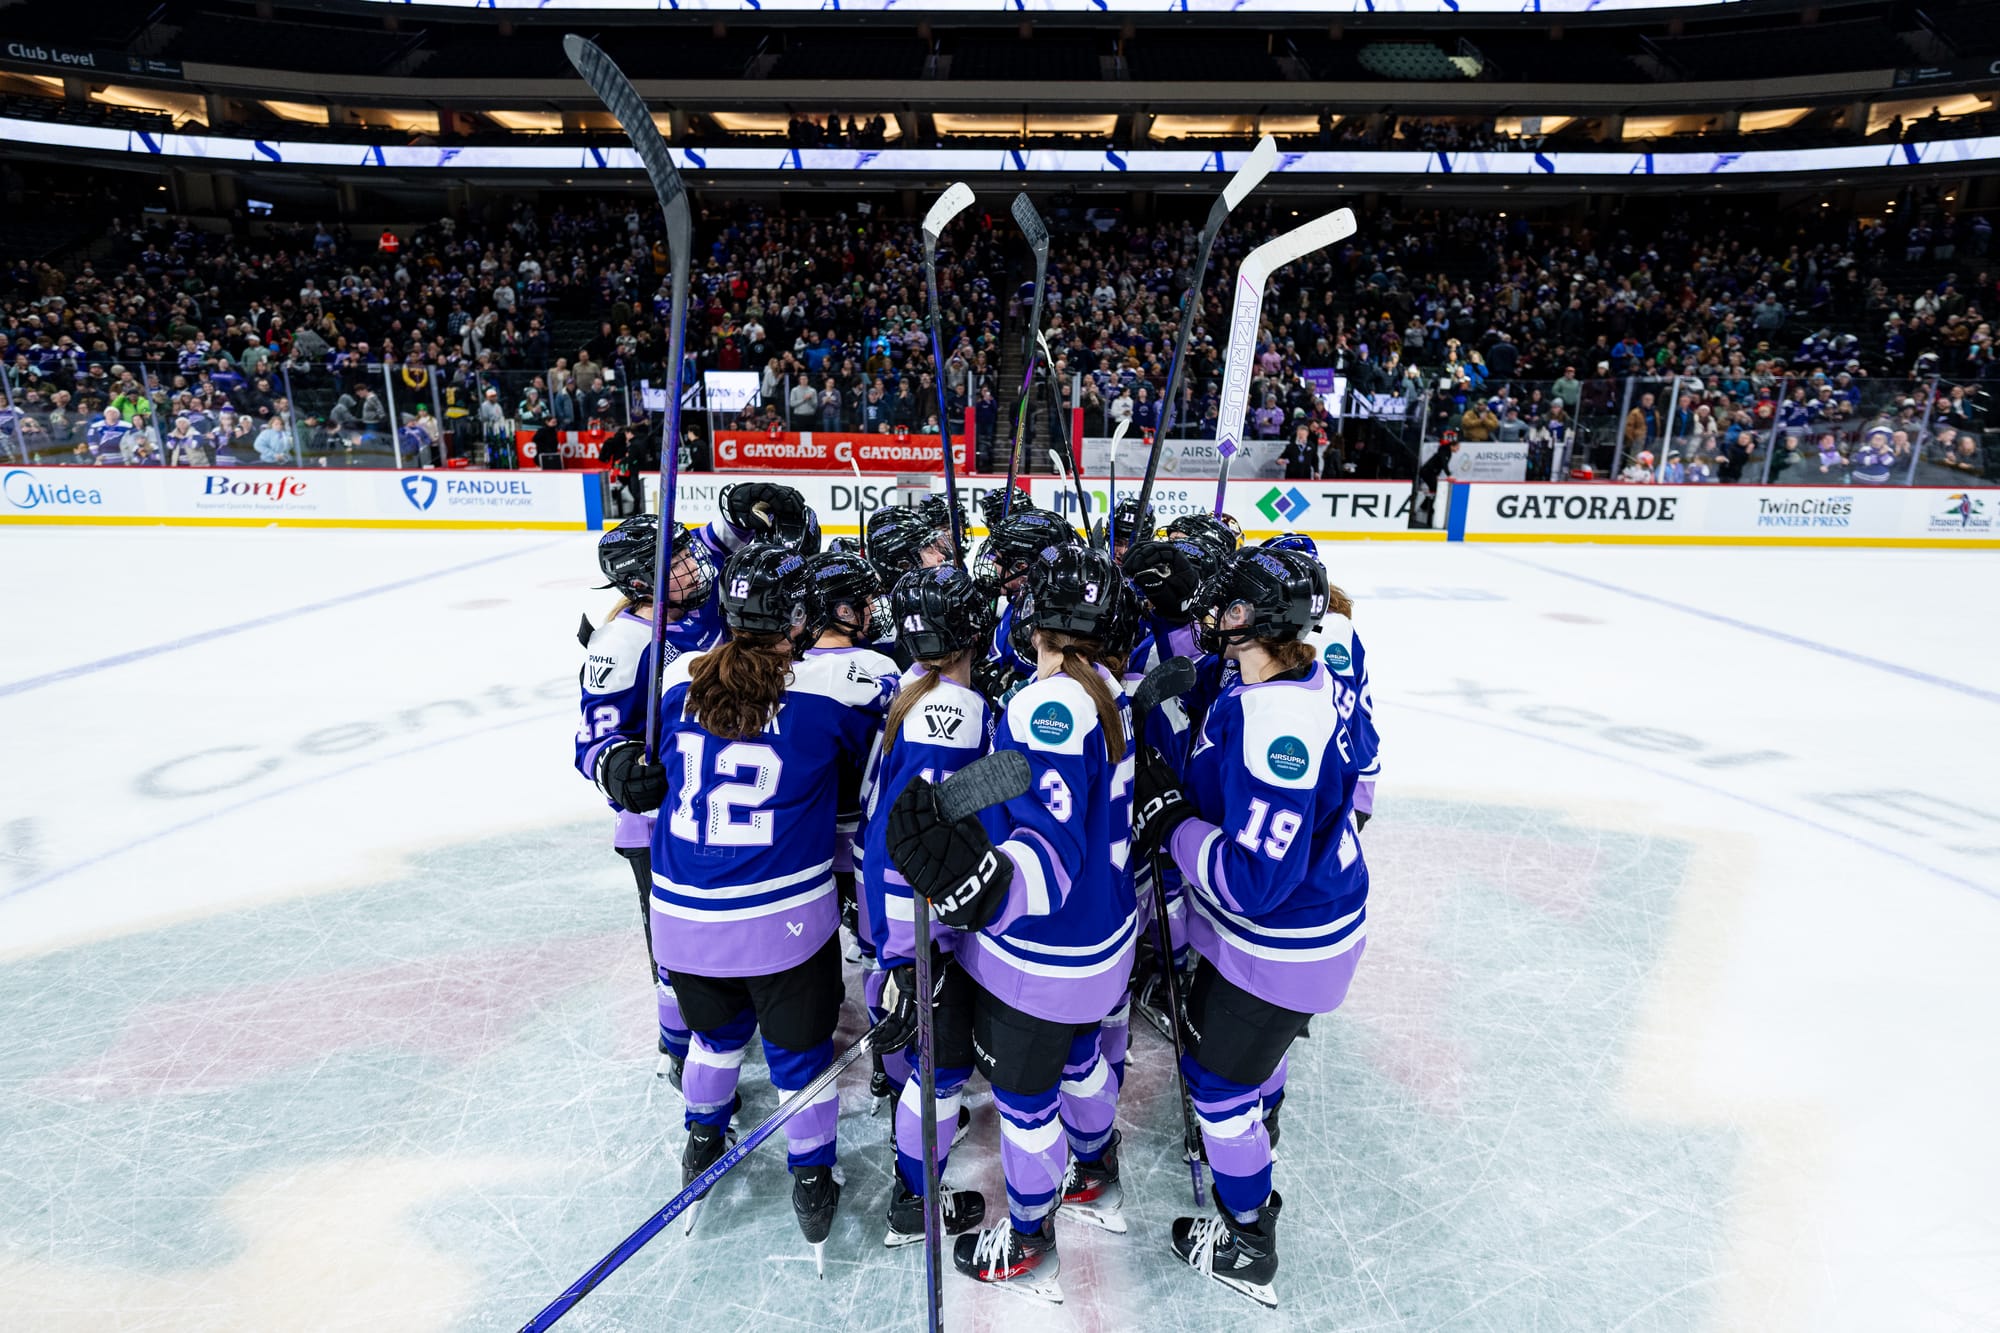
<point x="1257" y="268"/>
<point x="629" y="109"/>
<point x="968" y="791"/>
<point x="1169" y="680"/>
<point x="1111" y="514"/>
<point x="1060" y="429"/>
<point x="1248" y="176"/>
<point x="948" y="206"/>
<point x="860" y="509"/>
<point x="1037" y="231"/>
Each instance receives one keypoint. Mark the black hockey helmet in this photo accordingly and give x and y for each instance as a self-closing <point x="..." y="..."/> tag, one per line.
<point x="1130" y="523"/>
<point x="1222" y="536"/>
<point x="843" y="592"/>
<point x="993" y="505"/>
<point x="937" y="510"/>
<point x="1286" y="592"/>
<point x="627" y="552"/>
<point x="941" y="612"/>
<point x="1127" y="627"/>
<point x="898" y="536"/>
<point x="1292" y="541"/>
<point x="1072" y="589"/>
<point x="764" y="588"/>
<point x="1014" y="543"/>
<point x="804" y="538"/>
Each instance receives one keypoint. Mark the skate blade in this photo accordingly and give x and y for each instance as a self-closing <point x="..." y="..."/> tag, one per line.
<point x="819" y="1258"/>
<point x="693" y="1213"/>
<point x="1157" y="1018"/>
<point x="1264" y="1293"/>
<point x="1048" y="1290"/>
<point x="962" y="1133"/>
<point x="1111" y="1220"/>
<point x="896" y="1240"/>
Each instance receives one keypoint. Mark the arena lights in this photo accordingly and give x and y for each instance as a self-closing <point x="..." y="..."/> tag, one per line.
<point x="1007" y="161"/>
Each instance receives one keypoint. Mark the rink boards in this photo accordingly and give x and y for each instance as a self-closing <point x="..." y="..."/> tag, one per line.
<point x="1710" y="515"/>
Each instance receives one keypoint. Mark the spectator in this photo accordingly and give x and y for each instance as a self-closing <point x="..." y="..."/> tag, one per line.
<point x="1479" y="423"/>
<point x="274" y="443"/>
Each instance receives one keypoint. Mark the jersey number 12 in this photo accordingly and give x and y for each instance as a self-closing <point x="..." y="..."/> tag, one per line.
<point x="758" y="763"/>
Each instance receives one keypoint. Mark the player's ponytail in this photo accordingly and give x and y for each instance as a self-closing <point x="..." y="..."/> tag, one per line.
<point x="734" y="690"/>
<point x="914" y="691"/>
<point x="1297" y="654"/>
<point x="1079" y="663"/>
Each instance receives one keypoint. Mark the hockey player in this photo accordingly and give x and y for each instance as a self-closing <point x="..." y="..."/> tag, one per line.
<point x="1049" y="917"/>
<point x="1337" y="644"/>
<point x="1001" y="568"/>
<point x="1000" y="503"/>
<point x="1262" y="827"/>
<point x="754" y="740"/>
<point x="1131" y="524"/>
<point x="937" y="725"/>
<point x="615" y="677"/>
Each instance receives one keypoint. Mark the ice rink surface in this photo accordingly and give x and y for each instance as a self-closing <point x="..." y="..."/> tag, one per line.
<point x="325" y="1002"/>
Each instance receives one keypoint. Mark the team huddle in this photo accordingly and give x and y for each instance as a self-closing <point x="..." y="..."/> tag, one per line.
<point x="1196" y="857"/>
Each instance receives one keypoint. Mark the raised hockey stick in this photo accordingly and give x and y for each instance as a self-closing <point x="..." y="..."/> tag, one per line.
<point x="1244" y="315"/>
<point x="1255" y="167"/>
<point x="1060" y="429"/>
<point x="1037" y="232"/>
<point x="949" y="205"/>
<point x="1111" y="489"/>
<point x="968" y="791"/>
<point x="860" y="509"/>
<point x="622" y="100"/>
<point x="1169" y="680"/>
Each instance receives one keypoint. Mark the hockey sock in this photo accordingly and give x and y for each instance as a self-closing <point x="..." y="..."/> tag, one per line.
<point x="1089" y="1096"/>
<point x="673" y="1028"/>
<point x="714" y="1060"/>
<point x="1232" y="1133"/>
<point x="1115" y="1037"/>
<point x="809" y="1135"/>
<point x="1273" y="1088"/>
<point x="910" y="1124"/>
<point x="1033" y="1155"/>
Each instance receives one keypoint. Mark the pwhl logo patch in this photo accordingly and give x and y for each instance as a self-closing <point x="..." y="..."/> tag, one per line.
<point x="1285" y="504"/>
<point x="420" y="491"/>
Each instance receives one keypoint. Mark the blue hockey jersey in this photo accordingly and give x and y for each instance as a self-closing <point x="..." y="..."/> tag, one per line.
<point x="1062" y="946"/>
<point x="743" y="846"/>
<point x="948" y="729"/>
<point x="1277" y="884"/>
<point x="616" y="667"/>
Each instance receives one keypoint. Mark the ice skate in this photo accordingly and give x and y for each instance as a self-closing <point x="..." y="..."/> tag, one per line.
<point x="959" y="1211"/>
<point x="1151" y="1002"/>
<point x="1002" y="1257"/>
<point x="1239" y="1255"/>
<point x="705" y="1145"/>
<point x="962" y="1130"/>
<point x="815" y="1195"/>
<point x="1092" y="1193"/>
<point x="881" y="1092"/>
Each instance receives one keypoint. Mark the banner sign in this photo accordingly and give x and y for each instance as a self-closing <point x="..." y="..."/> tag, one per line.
<point x="1323" y="510"/>
<point x="579" y="448"/>
<point x="307" y="497"/>
<point x="1184" y="458"/>
<point x="94" y="59"/>
<point x="727" y="390"/>
<point x="831" y="451"/>
<point x="1730" y="515"/>
<point x="1012" y="162"/>
<point x="1484" y="460"/>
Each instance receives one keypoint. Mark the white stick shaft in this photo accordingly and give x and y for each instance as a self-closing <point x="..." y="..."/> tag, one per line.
<point x="1248" y="308"/>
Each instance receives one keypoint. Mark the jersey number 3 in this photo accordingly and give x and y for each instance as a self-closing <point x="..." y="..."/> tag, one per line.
<point x="727" y="800"/>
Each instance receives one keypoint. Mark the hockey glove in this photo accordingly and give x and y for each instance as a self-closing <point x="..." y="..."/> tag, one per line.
<point x="898" y="1027"/>
<point x="1166" y="578"/>
<point x="624" y="775"/>
<point x="993" y="678"/>
<point x="954" y="866"/>
<point x="1158" y="804"/>
<point x="762" y="508"/>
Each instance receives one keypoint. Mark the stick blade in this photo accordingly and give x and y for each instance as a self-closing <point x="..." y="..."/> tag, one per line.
<point x="1251" y="174"/>
<point x="1170" y="679"/>
<point x="998" y="777"/>
<point x="1030" y="222"/>
<point x="622" y="100"/>
<point x="955" y="200"/>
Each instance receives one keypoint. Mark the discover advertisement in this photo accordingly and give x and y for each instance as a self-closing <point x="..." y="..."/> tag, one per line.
<point x="301" y="497"/>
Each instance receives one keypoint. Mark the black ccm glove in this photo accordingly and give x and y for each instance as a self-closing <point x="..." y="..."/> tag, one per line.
<point x="1166" y="577"/>
<point x="954" y="866"/>
<point x="898" y="1027"/>
<point x="1159" y="806"/>
<point x="624" y="775"/>
<point x="763" y="508"/>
